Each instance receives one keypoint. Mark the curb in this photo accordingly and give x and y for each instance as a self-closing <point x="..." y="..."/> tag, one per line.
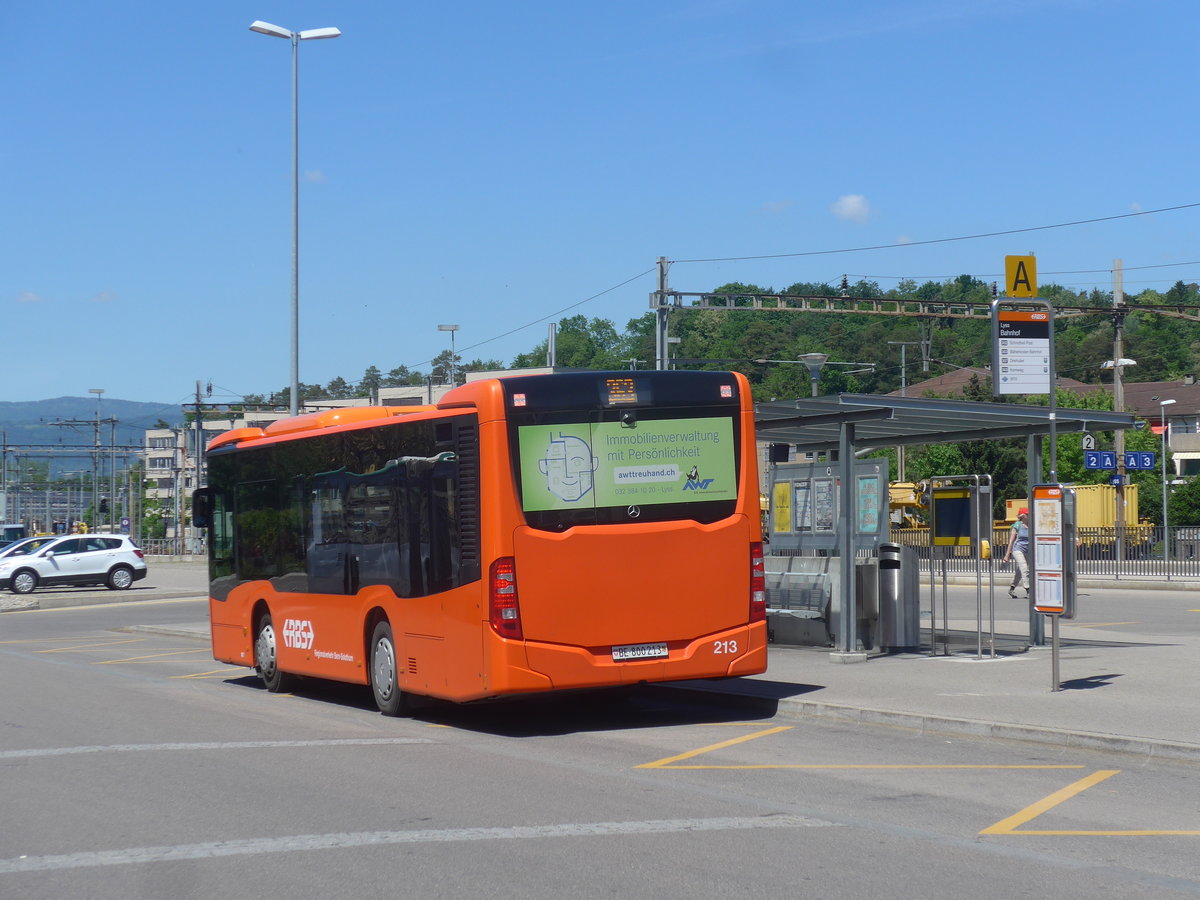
<point x="931" y="724"/>
<point x="926" y="723"/>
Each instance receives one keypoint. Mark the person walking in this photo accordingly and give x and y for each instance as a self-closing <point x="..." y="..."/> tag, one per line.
<point x="1018" y="550"/>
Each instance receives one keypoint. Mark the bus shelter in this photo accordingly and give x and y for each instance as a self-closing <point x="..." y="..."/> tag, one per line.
<point x="855" y="423"/>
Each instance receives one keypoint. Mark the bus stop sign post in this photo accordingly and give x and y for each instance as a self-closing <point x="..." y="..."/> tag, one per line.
<point x="1052" y="551"/>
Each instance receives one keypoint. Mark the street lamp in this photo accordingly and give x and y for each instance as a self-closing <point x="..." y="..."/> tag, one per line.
<point x="295" y="37"/>
<point x="453" y="357"/>
<point x="1162" y="420"/>
<point x="814" y="362"/>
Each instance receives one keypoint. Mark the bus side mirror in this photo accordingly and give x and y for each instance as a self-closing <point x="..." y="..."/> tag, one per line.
<point x="202" y="508"/>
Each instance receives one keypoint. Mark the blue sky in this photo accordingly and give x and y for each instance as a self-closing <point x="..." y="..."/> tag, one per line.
<point x="496" y="164"/>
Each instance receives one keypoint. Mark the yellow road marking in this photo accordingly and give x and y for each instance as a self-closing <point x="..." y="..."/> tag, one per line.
<point x="93" y="646"/>
<point x="152" y="656"/>
<point x="880" y="766"/>
<point x="672" y="762"/>
<point x="215" y="673"/>
<point x="1031" y="812"/>
<point x="663" y="763"/>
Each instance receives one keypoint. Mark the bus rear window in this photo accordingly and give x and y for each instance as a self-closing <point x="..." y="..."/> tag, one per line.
<point x="607" y="448"/>
<point x="611" y="464"/>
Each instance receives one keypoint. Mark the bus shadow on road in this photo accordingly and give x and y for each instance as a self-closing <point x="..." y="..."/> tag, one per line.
<point x="609" y="709"/>
<point x="570" y="712"/>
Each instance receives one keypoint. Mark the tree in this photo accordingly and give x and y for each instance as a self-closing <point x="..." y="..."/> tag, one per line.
<point x="445" y="368"/>
<point x="581" y="343"/>
<point x="339" y="389"/>
<point x="401" y="376"/>
<point x="1183" y="503"/>
<point x="371" y="381"/>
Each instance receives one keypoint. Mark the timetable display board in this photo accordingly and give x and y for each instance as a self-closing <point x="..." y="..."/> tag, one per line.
<point x="1052" y="550"/>
<point x="1021" y="352"/>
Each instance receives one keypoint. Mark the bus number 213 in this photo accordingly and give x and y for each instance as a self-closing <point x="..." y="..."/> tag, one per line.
<point x="720" y="647"/>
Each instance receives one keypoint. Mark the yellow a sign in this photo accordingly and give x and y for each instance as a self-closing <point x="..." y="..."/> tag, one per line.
<point x="1020" y="276"/>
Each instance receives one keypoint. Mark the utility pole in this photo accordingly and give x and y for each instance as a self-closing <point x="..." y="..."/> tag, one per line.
<point x="1119" y="402"/>
<point x="904" y="345"/>
<point x="97" y="458"/>
<point x="660" y="329"/>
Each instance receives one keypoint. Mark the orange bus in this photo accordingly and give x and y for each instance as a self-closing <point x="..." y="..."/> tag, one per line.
<point x="528" y="533"/>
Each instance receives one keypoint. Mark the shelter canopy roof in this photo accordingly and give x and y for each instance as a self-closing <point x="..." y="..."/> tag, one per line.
<point x="886" y="421"/>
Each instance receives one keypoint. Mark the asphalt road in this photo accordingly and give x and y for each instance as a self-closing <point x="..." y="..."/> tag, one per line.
<point x="133" y="765"/>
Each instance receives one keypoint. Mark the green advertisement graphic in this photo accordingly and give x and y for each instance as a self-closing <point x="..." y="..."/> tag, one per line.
<point x="607" y="464"/>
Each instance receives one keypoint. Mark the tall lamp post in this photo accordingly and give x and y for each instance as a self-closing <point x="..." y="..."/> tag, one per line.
<point x="453" y="356"/>
<point x="1162" y="419"/>
<point x="814" y="362"/>
<point x="295" y="37"/>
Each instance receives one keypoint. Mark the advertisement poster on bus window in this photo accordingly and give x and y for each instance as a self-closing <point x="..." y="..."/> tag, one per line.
<point x="608" y="464"/>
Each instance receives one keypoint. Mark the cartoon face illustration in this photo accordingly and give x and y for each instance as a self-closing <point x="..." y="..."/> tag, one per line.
<point x="568" y="466"/>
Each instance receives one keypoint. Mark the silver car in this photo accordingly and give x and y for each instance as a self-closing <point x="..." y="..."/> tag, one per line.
<point x="108" y="559"/>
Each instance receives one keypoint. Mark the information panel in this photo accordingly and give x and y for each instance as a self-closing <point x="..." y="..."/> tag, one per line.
<point x="951" y="515"/>
<point x="1052" y="538"/>
<point x="1021" y="352"/>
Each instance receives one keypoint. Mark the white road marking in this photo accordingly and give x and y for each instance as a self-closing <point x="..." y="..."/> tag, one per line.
<point x="204" y="745"/>
<point x="309" y="842"/>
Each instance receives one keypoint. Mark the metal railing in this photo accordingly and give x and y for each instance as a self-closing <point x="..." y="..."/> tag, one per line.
<point x="1141" y="554"/>
<point x="192" y="547"/>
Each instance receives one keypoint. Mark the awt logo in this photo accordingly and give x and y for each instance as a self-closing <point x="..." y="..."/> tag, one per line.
<point x="698" y="485"/>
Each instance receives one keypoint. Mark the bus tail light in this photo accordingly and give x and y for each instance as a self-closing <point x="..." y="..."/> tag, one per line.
<point x="758" y="583"/>
<point x="503" y="609"/>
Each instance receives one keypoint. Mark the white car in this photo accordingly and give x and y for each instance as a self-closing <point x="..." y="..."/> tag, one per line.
<point x="25" y="546"/>
<point x="108" y="559"/>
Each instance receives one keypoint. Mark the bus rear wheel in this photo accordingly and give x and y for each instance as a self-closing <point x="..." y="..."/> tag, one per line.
<point x="385" y="676"/>
<point x="266" y="659"/>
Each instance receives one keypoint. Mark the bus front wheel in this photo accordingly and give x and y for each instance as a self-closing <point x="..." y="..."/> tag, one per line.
<point x="266" y="659"/>
<point x="385" y="676"/>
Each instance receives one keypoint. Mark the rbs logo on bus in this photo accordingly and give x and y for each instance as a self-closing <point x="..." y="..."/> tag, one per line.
<point x="298" y="633"/>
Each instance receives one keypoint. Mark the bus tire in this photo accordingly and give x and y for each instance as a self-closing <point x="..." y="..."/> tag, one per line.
<point x="266" y="658"/>
<point x="385" y="675"/>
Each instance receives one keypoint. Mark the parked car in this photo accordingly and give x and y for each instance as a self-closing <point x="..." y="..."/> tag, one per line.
<point x="108" y="559"/>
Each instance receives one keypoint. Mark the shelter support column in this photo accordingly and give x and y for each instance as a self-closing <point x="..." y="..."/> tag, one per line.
<point x="846" y="650"/>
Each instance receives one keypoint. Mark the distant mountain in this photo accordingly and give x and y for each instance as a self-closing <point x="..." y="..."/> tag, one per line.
<point x="30" y="426"/>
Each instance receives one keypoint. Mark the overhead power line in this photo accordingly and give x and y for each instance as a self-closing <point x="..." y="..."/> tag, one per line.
<point x="947" y="240"/>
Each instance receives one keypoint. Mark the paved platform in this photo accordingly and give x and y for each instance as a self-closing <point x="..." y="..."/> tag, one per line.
<point x="1124" y="692"/>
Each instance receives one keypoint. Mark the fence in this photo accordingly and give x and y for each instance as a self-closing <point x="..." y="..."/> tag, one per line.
<point x="1140" y="553"/>
<point x="174" y="547"/>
